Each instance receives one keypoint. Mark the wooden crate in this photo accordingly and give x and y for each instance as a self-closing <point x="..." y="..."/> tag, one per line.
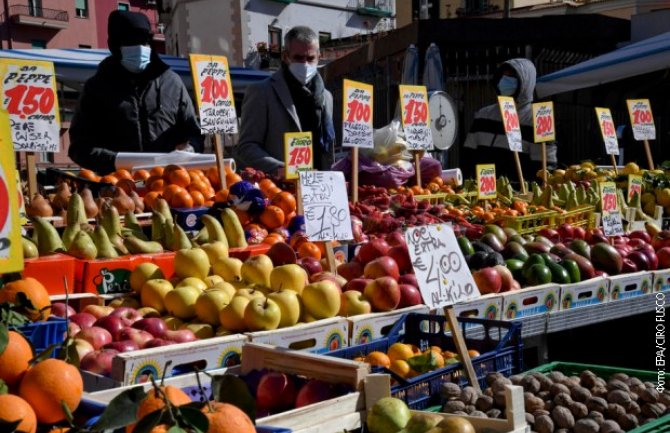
<point x="365" y="328"/>
<point x="320" y="336"/>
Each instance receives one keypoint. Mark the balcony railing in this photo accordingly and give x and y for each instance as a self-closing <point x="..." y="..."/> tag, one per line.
<point x="376" y="8"/>
<point x="49" y="14"/>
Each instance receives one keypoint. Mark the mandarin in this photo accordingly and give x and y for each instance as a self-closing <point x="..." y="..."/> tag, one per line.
<point x="15" y="359"/>
<point x="34" y="291"/>
<point x="272" y="217"/>
<point x="285" y="201"/>
<point x="14" y="408"/>
<point x="226" y="418"/>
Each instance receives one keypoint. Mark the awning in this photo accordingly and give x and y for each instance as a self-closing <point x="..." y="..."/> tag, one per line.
<point x="75" y="66"/>
<point x="642" y="57"/>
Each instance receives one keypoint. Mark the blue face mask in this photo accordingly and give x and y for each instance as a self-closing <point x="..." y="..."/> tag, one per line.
<point x="507" y="85"/>
<point x="135" y="58"/>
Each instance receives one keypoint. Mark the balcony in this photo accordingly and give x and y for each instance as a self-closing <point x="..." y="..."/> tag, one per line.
<point x="39" y="17"/>
<point x="374" y="8"/>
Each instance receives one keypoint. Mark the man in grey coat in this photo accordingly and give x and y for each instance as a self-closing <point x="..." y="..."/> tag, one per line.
<point x="134" y="102"/>
<point x="293" y="99"/>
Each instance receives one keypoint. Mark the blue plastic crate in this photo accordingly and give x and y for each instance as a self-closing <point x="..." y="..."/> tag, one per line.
<point x="44" y="334"/>
<point x="500" y="351"/>
<point x="189" y="219"/>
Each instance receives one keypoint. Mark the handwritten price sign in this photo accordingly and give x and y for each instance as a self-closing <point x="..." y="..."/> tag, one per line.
<point x="441" y="270"/>
<point x="415" y="117"/>
<point x="634" y="186"/>
<point x="486" y="181"/>
<point x="607" y="130"/>
<point x="214" y="94"/>
<point x="298" y="154"/>
<point x="325" y="205"/>
<point x="543" y="122"/>
<point x="641" y="119"/>
<point x="29" y="99"/>
<point x="357" y="114"/>
<point x="510" y="122"/>
<point x="608" y="197"/>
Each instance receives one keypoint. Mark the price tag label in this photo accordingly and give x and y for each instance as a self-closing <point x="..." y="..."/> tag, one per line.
<point x="440" y="268"/>
<point x="510" y="122"/>
<point x="298" y="155"/>
<point x="486" y="181"/>
<point x="325" y="206"/>
<point x="357" y="115"/>
<point x="214" y="94"/>
<point x="634" y="186"/>
<point x="543" y="122"/>
<point x="30" y="101"/>
<point x="641" y="119"/>
<point x="11" y="252"/>
<point x="607" y="130"/>
<point x="415" y="117"/>
<point x="608" y="197"/>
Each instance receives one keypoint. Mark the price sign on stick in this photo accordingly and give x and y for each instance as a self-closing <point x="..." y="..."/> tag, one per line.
<point x="298" y="155"/>
<point x="29" y="99"/>
<point x="214" y="94"/>
<point x="607" y="130"/>
<point x="510" y="122"/>
<point x="441" y="270"/>
<point x="11" y="252"/>
<point x="357" y="115"/>
<point x="415" y="117"/>
<point x="611" y="216"/>
<point x="486" y="181"/>
<point x="634" y="186"/>
<point x="325" y="206"/>
<point x="543" y="122"/>
<point x="641" y="119"/>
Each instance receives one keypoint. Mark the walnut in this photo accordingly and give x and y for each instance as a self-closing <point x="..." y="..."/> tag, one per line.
<point x="596" y="403"/>
<point x="580" y="394"/>
<point x="619" y="397"/>
<point x="562" y="399"/>
<point x="601" y="382"/>
<point x="563" y="430"/>
<point x="634" y="396"/>
<point x="461" y="412"/>
<point x="484" y="403"/>
<point x="489" y="392"/>
<point x="621" y="376"/>
<point x="587" y="379"/>
<point x="478" y="414"/>
<point x="634" y="381"/>
<point x="649" y="395"/>
<point x="499" y="399"/>
<point x="549" y="405"/>
<point x="470" y="408"/>
<point x="627" y="422"/>
<point x="579" y="410"/>
<point x="499" y="385"/>
<point x="649" y="384"/>
<point x="516" y="379"/>
<point x="633" y="408"/>
<point x="556" y="376"/>
<point x="530" y="384"/>
<point x="544" y="424"/>
<point x="615" y="384"/>
<point x="450" y="390"/>
<point x="493" y="413"/>
<point x="599" y="391"/>
<point x="545" y="382"/>
<point x="597" y="416"/>
<point x="575" y="380"/>
<point x="563" y="417"/>
<point x="586" y="425"/>
<point x="638" y="389"/>
<point x="664" y="398"/>
<point x="614" y="411"/>
<point x="610" y="426"/>
<point x="541" y="412"/>
<point x="530" y="419"/>
<point x="544" y="395"/>
<point x="469" y="395"/>
<point x="653" y="410"/>
<point x="558" y="388"/>
<point x="533" y="404"/>
<point x="492" y="377"/>
<point x="453" y="406"/>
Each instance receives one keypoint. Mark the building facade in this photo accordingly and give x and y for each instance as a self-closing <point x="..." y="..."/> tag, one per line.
<point x="147" y="7"/>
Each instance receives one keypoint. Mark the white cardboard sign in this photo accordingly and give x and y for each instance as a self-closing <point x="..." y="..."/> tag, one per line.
<point x="325" y="206"/>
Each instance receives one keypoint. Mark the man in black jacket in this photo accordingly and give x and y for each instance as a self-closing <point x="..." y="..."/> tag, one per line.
<point x="134" y="102"/>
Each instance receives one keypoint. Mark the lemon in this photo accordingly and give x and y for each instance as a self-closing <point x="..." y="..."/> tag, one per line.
<point x="663" y="196"/>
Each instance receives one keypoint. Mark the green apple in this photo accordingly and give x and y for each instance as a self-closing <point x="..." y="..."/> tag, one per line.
<point x="289" y="304"/>
<point x="322" y="299"/>
<point x="191" y="262"/>
<point x="288" y="277"/>
<point x="422" y="423"/>
<point x="153" y="294"/>
<point x="228" y="268"/>
<point x="210" y="303"/>
<point x="180" y="302"/>
<point x="213" y="280"/>
<point x="143" y="273"/>
<point x="232" y="317"/>
<point x="354" y="303"/>
<point x="201" y="330"/>
<point x="256" y="270"/>
<point x="389" y="414"/>
<point x="226" y="287"/>
<point x="173" y="323"/>
<point x="250" y="293"/>
<point x="215" y="250"/>
<point x="193" y="282"/>
<point x="262" y="314"/>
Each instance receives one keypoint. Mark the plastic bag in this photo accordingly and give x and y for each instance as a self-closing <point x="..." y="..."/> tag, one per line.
<point x="389" y="145"/>
<point x="373" y="173"/>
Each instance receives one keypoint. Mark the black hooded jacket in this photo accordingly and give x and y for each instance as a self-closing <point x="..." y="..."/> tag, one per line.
<point x="123" y="112"/>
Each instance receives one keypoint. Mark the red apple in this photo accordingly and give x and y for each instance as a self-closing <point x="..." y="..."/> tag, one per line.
<point x="395" y="239"/>
<point x="112" y="324"/>
<point x="311" y="265"/>
<point x="99" y="361"/>
<point x="61" y="309"/>
<point x="408" y="279"/>
<point x="375" y="248"/>
<point x="409" y="296"/>
<point x="84" y="320"/>
<point x="640" y="234"/>
<point x="157" y="342"/>
<point x="506" y="277"/>
<point x="628" y="266"/>
<point x="275" y="391"/>
<point x="82" y="347"/>
<point x="550" y="234"/>
<point x="357" y="284"/>
<point x="383" y="293"/>
<point x="180" y="336"/>
<point x="329" y="276"/>
<point x="314" y="391"/>
<point x="578" y="233"/>
<point x="640" y="259"/>
<point x="73" y="329"/>
<point x="98" y="310"/>
<point x="350" y="270"/>
<point x="599" y="273"/>
<point x="663" y="255"/>
<point x="152" y="325"/>
<point x="382" y="267"/>
<point x="637" y="243"/>
<point x="129" y="315"/>
<point x="95" y="335"/>
<point x="138" y="336"/>
<point x="653" y="258"/>
<point x="488" y="280"/>
<point x="401" y="256"/>
<point x="588" y="237"/>
<point x="566" y="231"/>
<point x="122" y="346"/>
<point x="661" y="239"/>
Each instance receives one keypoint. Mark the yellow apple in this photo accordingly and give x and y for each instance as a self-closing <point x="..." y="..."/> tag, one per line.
<point x="288" y="277"/>
<point x="210" y="303"/>
<point x="226" y="287"/>
<point x="215" y="250"/>
<point x="354" y="303"/>
<point x="180" y="302"/>
<point x="232" y="317"/>
<point x="222" y="332"/>
<point x="191" y="263"/>
<point x="148" y="312"/>
<point x="153" y="294"/>
<point x="126" y="301"/>
<point x="289" y="305"/>
<point x="172" y="322"/>
<point x="262" y="314"/>
<point x="201" y="330"/>
<point x="193" y="282"/>
<point x="143" y="273"/>
<point x="213" y="280"/>
<point x="322" y="299"/>
<point x="250" y="293"/>
<point x="256" y="270"/>
<point x="228" y="268"/>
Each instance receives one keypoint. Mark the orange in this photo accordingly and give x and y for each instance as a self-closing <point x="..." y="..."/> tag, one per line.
<point x="309" y="249"/>
<point x="169" y="169"/>
<point x="88" y="174"/>
<point x="448" y="354"/>
<point x="126" y="185"/>
<point x="170" y="191"/>
<point x="122" y="173"/>
<point x="110" y="178"/>
<point x="195" y="174"/>
<point x="154" y="183"/>
<point x="179" y="177"/>
<point x="273" y="238"/>
<point x="199" y="185"/>
<point x="400" y="351"/>
<point x="197" y="197"/>
<point x="285" y="201"/>
<point x="400" y="367"/>
<point x="50" y="383"/>
<point x="154" y="401"/>
<point x="157" y="171"/>
<point x="265" y="184"/>
<point x="14" y="361"/>
<point x="226" y="418"/>
<point x="272" y="192"/>
<point x="14" y="408"/>
<point x="150" y="199"/>
<point x="141" y="175"/>
<point x="213" y="176"/>
<point x="288" y="218"/>
<point x="182" y="199"/>
<point x="221" y="196"/>
<point x="272" y="217"/>
<point x="243" y="216"/>
<point x="439" y="359"/>
<point x="60" y="430"/>
<point x="34" y="291"/>
<point x="473" y="353"/>
<point x="378" y="358"/>
<point x="297" y="240"/>
<point x="209" y="203"/>
<point x="232" y="179"/>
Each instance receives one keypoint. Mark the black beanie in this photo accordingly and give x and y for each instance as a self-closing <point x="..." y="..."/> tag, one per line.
<point x="127" y="28"/>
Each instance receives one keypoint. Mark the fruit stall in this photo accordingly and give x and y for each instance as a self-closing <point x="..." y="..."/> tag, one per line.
<point x="175" y="298"/>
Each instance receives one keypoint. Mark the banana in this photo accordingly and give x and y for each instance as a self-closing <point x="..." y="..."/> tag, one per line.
<point x="233" y="229"/>
<point x="214" y="229"/>
<point x="48" y="240"/>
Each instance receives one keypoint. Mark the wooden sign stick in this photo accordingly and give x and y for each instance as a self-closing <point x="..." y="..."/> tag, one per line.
<point x="461" y="348"/>
<point x="519" y="172"/>
<point x="354" y="175"/>
<point x="614" y="165"/>
<point x="330" y="257"/>
<point x="31" y="161"/>
<point x="218" y="150"/>
<point x="647" y="150"/>
<point x="544" y="164"/>
<point x="417" y="168"/>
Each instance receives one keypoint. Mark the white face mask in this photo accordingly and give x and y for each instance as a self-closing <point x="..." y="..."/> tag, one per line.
<point x="303" y="72"/>
<point x="135" y="58"/>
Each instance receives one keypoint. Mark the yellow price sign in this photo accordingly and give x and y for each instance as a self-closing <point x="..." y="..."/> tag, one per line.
<point x="213" y="93"/>
<point x="543" y="122"/>
<point x="486" y="181"/>
<point x="298" y="155"/>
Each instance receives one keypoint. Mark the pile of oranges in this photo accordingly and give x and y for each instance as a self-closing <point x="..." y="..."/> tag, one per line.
<point x="435" y="186"/>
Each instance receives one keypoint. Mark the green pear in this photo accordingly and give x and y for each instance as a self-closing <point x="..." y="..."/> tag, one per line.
<point x="202" y="237"/>
<point x="161" y="206"/>
<point x="388" y="415"/>
<point x="215" y="250"/>
<point x="180" y="240"/>
<point x="83" y="247"/>
<point x="110" y="219"/>
<point x="215" y="230"/>
<point x="191" y="263"/>
<point x="169" y="235"/>
<point x="132" y="226"/>
<point x="138" y="246"/>
<point x="48" y="240"/>
<point x="69" y="234"/>
<point x="29" y="248"/>
<point x="103" y="244"/>
<point x="157" y="227"/>
<point x="228" y="268"/>
<point x="76" y="213"/>
<point x="257" y="269"/>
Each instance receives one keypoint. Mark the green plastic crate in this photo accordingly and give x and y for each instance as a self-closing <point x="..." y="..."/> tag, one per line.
<point x="661" y="425"/>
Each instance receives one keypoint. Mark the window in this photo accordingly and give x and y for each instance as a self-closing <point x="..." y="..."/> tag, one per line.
<point x="324" y="37"/>
<point x="38" y="43"/>
<point x="124" y="6"/>
<point x="81" y="8"/>
<point x="274" y="39"/>
<point x="86" y="47"/>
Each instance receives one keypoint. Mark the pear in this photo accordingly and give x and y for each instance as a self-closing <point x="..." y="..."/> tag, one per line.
<point x="103" y="244"/>
<point x="168" y="233"/>
<point x="39" y="206"/>
<point x="139" y="203"/>
<point x="422" y="422"/>
<point x="48" y="241"/>
<point x="181" y="240"/>
<point x="82" y="247"/>
<point x="157" y="227"/>
<point x="76" y="213"/>
<point x="191" y="263"/>
<point x="122" y="202"/>
<point x="62" y="197"/>
<point x="90" y="207"/>
<point x="69" y="234"/>
<point x="228" y="268"/>
<point x="202" y="237"/>
<point x="214" y="229"/>
<point x="110" y="219"/>
<point x="215" y="250"/>
<point x="257" y="269"/>
<point x="29" y="248"/>
<point x="163" y="208"/>
<point x="132" y="226"/>
<point x="138" y="246"/>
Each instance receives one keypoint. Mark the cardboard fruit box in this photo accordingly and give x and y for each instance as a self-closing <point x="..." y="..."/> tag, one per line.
<point x="662" y="281"/>
<point x="531" y="302"/>
<point x="53" y="271"/>
<point x="590" y="292"/>
<point x="630" y="285"/>
<point x="318" y="337"/>
<point x="368" y="327"/>
<point x="108" y="276"/>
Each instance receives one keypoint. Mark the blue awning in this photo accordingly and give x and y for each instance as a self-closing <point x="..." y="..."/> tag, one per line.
<point x="639" y="58"/>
